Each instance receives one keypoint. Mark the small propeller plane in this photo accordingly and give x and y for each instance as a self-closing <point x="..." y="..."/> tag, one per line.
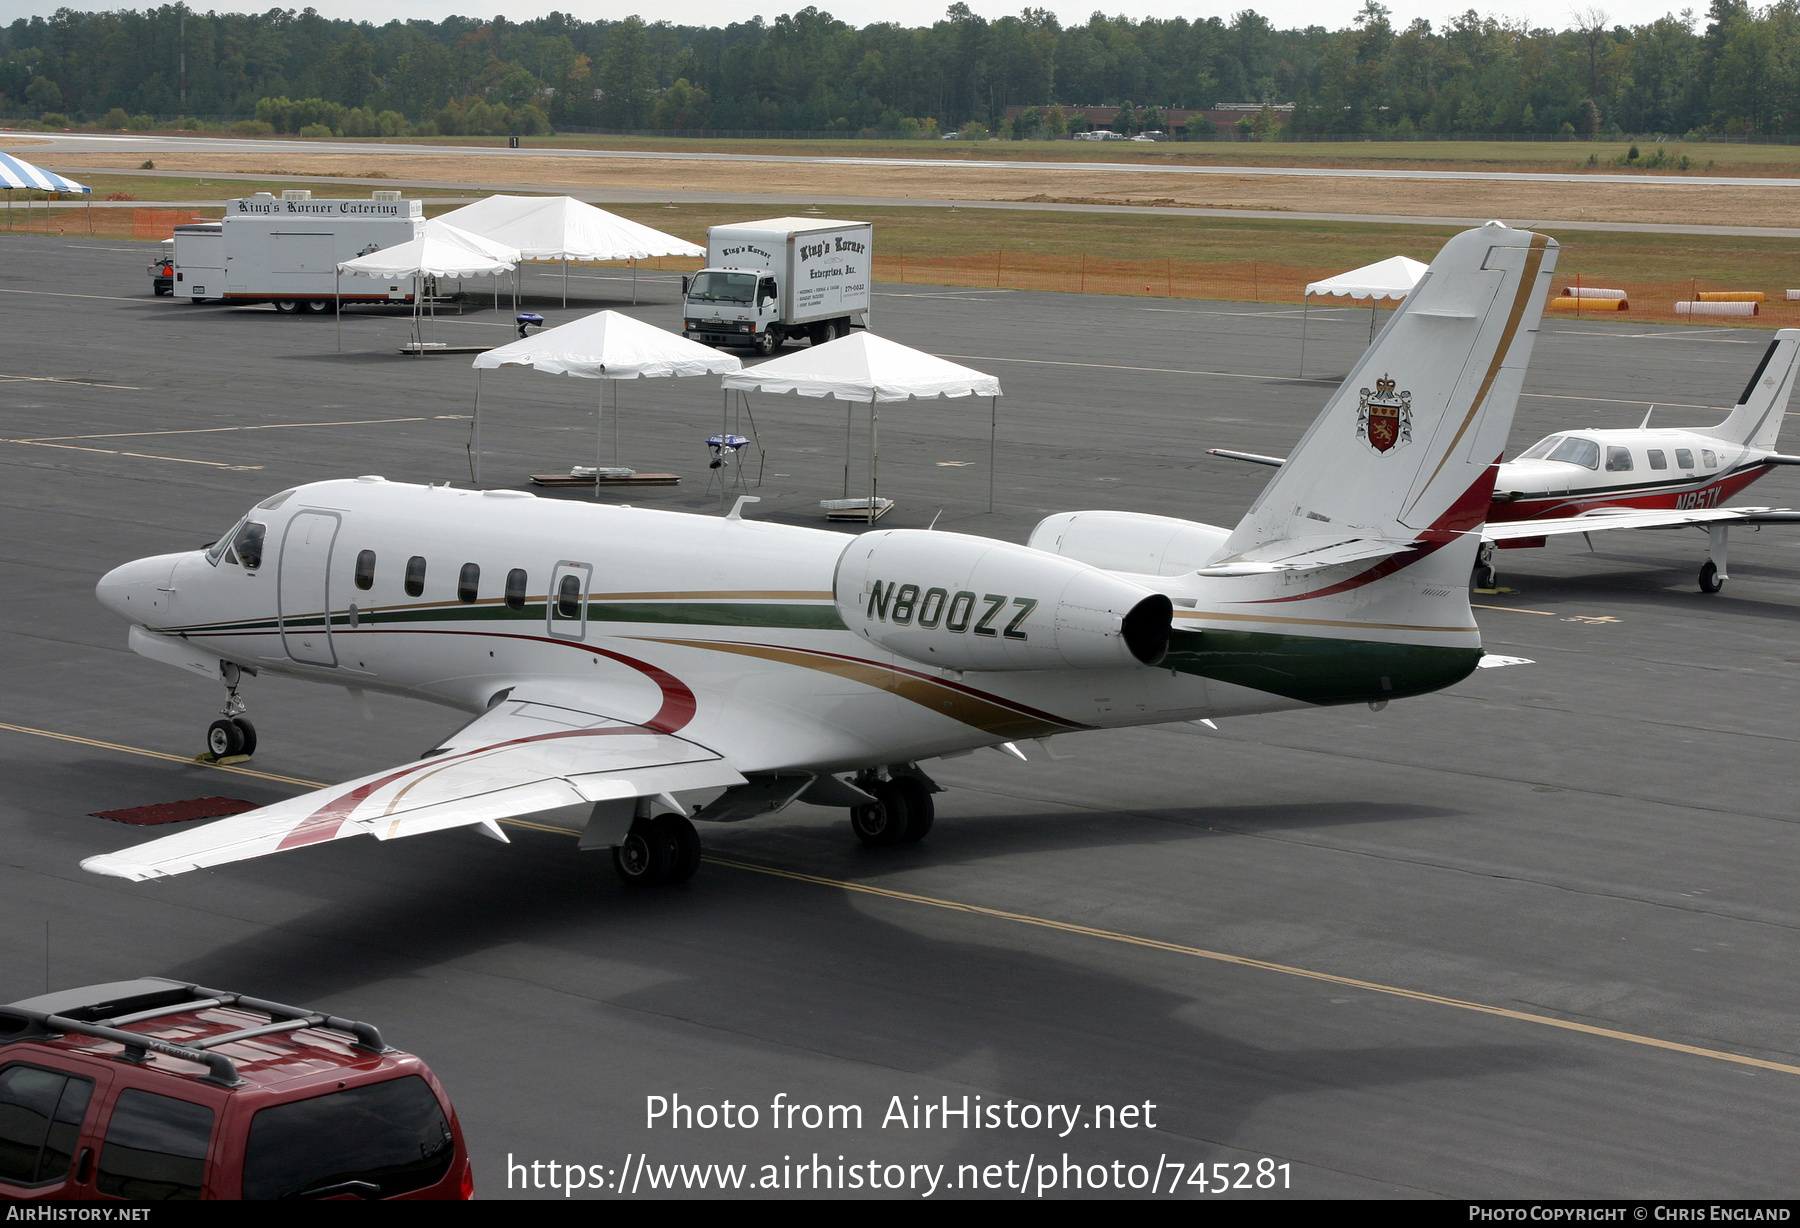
<point x="1584" y="481"/>
<point x="636" y="669"/>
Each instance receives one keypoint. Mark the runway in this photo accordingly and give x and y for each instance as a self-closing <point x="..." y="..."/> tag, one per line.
<point x="155" y="143"/>
<point x="1529" y="937"/>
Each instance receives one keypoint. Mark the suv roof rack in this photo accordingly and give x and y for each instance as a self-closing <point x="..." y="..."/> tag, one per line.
<point x="103" y="1011"/>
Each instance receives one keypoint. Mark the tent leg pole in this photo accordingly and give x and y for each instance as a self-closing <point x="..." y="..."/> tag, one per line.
<point x="1305" y="305"/>
<point x="337" y="295"/>
<point x="993" y="433"/>
<point x="874" y="457"/>
<point x="1372" y="301"/>
<point x="634" y="281"/>
<point x="848" y="410"/>
<point x="475" y="458"/>
<point x="615" y="391"/>
<point x="599" y="434"/>
<point x="565" y="283"/>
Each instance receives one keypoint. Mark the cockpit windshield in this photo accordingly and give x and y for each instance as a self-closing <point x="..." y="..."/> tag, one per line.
<point x="723" y="287"/>
<point x="1570" y="449"/>
<point x="243" y="545"/>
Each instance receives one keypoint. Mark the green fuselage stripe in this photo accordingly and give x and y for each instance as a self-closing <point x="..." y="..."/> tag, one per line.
<point x="1317" y="670"/>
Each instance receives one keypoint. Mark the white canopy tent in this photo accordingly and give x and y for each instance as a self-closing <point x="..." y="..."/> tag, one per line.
<point x="563" y="228"/>
<point x="1393" y="278"/>
<point x="606" y="345"/>
<point x="442" y="251"/>
<point x="865" y="367"/>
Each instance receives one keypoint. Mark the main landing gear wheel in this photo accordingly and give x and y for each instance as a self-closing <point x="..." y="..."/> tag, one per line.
<point x="686" y="840"/>
<point x="224" y="738"/>
<point x="1709" y="577"/>
<point x="885" y="820"/>
<point x="647" y="856"/>
<point x="919" y="809"/>
<point x="1485" y="576"/>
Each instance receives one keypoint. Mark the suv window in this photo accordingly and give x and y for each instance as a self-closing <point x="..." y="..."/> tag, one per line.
<point x="40" y="1118"/>
<point x="155" y="1147"/>
<point x="377" y="1141"/>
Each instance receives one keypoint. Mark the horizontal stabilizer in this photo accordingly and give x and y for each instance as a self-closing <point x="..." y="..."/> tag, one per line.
<point x="1308" y="554"/>
<point x="518" y="758"/>
<point x="1255" y="458"/>
<point x="1631" y="518"/>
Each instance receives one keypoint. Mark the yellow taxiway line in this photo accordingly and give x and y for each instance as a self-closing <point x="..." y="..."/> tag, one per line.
<point x="1065" y="927"/>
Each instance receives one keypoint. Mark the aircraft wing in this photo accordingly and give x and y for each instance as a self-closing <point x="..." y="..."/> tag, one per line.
<point x="1632" y="518"/>
<point x="519" y="757"/>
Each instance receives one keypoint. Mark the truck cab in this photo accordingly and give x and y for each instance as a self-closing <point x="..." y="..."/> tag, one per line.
<point x="162" y="269"/>
<point x="155" y="1089"/>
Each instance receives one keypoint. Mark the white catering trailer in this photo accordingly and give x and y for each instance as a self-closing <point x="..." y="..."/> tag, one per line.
<point x="782" y="278"/>
<point x="286" y="250"/>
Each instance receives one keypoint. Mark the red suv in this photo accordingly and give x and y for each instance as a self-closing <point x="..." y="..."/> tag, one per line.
<point x="153" y="1089"/>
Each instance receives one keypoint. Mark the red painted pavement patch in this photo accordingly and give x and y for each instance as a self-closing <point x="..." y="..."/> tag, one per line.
<point x="177" y="812"/>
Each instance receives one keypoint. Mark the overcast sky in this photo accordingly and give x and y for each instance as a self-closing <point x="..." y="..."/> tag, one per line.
<point x="1332" y="14"/>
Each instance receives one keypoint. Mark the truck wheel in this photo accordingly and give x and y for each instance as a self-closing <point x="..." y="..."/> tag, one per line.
<point x="766" y="343"/>
<point x="819" y="334"/>
<point x="318" y="306"/>
<point x="286" y="306"/>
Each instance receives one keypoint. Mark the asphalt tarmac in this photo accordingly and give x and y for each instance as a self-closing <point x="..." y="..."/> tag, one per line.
<point x="1530" y="937"/>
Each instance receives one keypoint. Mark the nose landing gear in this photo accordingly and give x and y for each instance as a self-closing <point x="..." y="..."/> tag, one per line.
<point x="231" y="736"/>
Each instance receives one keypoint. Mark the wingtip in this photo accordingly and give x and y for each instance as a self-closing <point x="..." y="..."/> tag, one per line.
<point x="113" y="866"/>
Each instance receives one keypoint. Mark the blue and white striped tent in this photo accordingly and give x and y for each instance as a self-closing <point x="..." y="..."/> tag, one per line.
<point x="17" y="173"/>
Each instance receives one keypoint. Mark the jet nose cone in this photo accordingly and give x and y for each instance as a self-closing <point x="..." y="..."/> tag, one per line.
<point x="139" y="591"/>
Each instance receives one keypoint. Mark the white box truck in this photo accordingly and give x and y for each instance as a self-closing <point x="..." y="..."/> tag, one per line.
<point x="777" y="280"/>
<point x="285" y="251"/>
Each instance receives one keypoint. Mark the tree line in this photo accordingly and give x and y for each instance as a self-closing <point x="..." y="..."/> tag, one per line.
<point x="1736" y="71"/>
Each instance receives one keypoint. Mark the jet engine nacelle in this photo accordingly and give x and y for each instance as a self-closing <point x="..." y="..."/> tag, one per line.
<point x="973" y="603"/>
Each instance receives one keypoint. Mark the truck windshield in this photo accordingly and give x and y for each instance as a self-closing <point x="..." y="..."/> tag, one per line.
<point x="723" y="287"/>
<point x="374" y="1141"/>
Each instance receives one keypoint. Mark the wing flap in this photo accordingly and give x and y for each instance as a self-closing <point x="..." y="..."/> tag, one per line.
<point x="1308" y="554"/>
<point x="518" y="758"/>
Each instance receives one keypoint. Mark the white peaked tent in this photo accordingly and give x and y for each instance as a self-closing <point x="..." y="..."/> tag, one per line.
<point x="443" y="251"/>
<point x="865" y="367"/>
<point x="563" y="228"/>
<point x="1393" y="278"/>
<point x="606" y="345"/>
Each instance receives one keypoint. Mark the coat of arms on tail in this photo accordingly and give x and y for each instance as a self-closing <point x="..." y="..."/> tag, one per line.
<point x="1384" y="418"/>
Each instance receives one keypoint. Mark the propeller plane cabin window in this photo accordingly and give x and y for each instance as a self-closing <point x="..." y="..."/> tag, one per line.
<point x="1707" y="455"/>
<point x="1575" y="451"/>
<point x="1684" y="458"/>
<point x="1657" y="459"/>
<point x="1618" y="460"/>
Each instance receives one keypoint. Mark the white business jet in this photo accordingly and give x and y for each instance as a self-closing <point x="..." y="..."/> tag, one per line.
<point x="1584" y="481"/>
<point x="652" y="667"/>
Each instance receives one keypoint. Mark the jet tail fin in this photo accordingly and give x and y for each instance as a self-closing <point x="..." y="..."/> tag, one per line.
<point x="1405" y="448"/>
<point x="1756" y="420"/>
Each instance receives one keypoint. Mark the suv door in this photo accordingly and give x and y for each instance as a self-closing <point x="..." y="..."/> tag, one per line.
<point x="155" y="1147"/>
<point x="47" y="1114"/>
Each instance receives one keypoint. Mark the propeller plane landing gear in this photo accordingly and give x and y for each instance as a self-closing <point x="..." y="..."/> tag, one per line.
<point x="1712" y="572"/>
<point x="902" y="811"/>
<point x="231" y="736"/>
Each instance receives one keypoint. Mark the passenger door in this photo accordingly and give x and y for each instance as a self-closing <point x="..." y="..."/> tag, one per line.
<point x="154" y="1148"/>
<point x="47" y="1119"/>
<point x="565" y="605"/>
<point x="303" y="587"/>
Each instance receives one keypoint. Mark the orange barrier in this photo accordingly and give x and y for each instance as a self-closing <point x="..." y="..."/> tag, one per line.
<point x="1732" y="296"/>
<point x="157" y="223"/>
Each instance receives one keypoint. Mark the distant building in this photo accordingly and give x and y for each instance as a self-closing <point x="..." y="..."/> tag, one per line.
<point x="1224" y="116"/>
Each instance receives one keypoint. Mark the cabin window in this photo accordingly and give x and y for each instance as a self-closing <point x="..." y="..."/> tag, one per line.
<point x="1684" y="458"/>
<point x="1540" y="449"/>
<point x="515" y="589"/>
<point x="1575" y="451"/>
<point x="468" y="582"/>
<point x="248" y="544"/>
<point x="415" y="575"/>
<point x="1618" y="460"/>
<point x="568" y="597"/>
<point x="1657" y="459"/>
<point x="365" y="569"/>
<point x="1706" y="454"/>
